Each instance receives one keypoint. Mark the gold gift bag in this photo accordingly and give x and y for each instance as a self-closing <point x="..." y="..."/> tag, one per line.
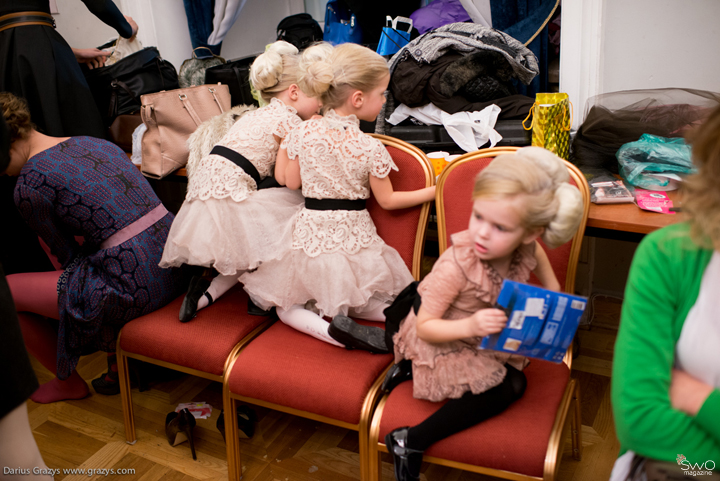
<point x="551" y="121"/>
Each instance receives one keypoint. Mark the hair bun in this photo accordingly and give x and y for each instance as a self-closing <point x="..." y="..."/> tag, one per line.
<point x="266" y="71"/>
<point x="567" y="218"/>
<point x="317" y="78"/>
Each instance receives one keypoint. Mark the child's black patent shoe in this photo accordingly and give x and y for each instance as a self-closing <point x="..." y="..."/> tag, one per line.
<point x="407" y="461"/>
<point x="356" y="336"/>
<point x="197" y="288"/>
<point x="396" y="375"/>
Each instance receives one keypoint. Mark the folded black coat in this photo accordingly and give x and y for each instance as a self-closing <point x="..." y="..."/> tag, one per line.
<point x="417" y="84"/>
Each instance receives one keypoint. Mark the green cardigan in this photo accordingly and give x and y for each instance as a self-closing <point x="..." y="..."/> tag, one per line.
<point x="663" y="285"/>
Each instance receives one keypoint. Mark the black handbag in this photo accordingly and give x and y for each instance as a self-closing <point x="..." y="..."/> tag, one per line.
<point x="117" y="88"/>
<point x="236" y="75"/>
<point x="300" y="30"/>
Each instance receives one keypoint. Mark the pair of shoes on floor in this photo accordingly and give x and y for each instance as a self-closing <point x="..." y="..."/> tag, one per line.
<point x="246" y="419"/>
<point x="198" y="287"/>
<point x="407" y="461"/>
<point x="109" y="383"/>
<point x="356" y="336"/>
<point x="398" y="373"/>
<point x="179" y="428"/>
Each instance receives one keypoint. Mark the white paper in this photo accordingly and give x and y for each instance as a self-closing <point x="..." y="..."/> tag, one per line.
<point x="534" y="307"/>
<point x="469" y="130"/>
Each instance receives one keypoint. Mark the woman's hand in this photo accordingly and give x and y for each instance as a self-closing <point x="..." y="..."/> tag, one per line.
<point x="133" y="25"/>
<point x="487" y="321"/>
<point x="91" y="57"/>
<point x="687" y="394"/>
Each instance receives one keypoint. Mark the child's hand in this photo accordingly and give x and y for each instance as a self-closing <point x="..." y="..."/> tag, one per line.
<point x="487" y="321"/>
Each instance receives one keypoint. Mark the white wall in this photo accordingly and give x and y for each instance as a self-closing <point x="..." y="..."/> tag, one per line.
<point x="612" y="45"/>
<point x="163" y="23"/>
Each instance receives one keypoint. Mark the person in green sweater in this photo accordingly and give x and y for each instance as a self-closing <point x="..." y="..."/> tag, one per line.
<point x="666" y="370"/>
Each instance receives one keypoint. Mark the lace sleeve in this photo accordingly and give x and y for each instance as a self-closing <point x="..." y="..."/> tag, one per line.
<point x="382" y="163"/>
<point x="292" y="143"/>
<point x="286" y="125"/>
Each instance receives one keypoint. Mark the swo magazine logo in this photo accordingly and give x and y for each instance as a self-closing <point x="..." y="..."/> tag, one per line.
<point x="695" y="469"/>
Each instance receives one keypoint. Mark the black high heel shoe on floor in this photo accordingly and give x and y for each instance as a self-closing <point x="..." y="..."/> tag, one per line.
<point x="246" y="419"/>
<point x="198" y="287"/>
<point x="407" y="461"/>
<point x="109" y="383"/>
<point x="179" y="428"/>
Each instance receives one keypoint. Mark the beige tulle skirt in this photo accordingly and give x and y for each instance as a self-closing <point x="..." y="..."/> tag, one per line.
<point x="334" y="282"/>
<point x="233" y="236"/>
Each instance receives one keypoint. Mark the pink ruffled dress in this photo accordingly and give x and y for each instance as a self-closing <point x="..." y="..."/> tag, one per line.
<point x="225" y="222"/>
<point x="459" y="285"/>
<point x="335" y="260"/>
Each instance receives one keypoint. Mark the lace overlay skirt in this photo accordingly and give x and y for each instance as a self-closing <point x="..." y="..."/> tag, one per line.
<point x="336" y="281"/>
<point x="233" y="236"/>
<point x="448" y="370"/>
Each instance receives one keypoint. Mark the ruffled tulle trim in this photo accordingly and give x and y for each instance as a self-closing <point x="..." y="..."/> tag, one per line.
<point x="337" y="282"/>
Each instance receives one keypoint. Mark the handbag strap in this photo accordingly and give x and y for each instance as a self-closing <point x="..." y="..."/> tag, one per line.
<point x="112" y="107"/>
<point x="188" y="105"/>
<point x="206" y="48"/>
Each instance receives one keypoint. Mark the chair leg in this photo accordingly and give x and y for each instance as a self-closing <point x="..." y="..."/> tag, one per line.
<point x="126" y="396"/>
<point x="232" y="439"/>
<point x="577" y="425"/>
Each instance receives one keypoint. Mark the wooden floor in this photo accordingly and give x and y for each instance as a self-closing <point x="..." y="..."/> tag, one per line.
<point x="89" y="433"/>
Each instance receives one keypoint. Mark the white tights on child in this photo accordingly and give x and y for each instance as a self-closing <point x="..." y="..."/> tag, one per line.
<point x="313" y="325"/>
<point x="219" y="286"/>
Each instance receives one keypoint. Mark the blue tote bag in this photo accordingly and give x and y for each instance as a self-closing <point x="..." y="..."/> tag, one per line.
<point x="340" y="25"/>
<point x="392" y="39"/>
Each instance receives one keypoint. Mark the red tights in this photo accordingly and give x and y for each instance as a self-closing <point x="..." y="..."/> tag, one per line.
<point x="36" y="302"/>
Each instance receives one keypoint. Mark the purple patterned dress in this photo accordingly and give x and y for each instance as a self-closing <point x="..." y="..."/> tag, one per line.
<point x="87" y="187"/>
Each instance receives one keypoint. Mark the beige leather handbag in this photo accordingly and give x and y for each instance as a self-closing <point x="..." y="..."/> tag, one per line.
<point x="171" y="116"/>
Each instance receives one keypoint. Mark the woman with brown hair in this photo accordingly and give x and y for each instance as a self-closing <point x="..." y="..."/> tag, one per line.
<point x="666" y="370"/>
<point x="83" y="187"/>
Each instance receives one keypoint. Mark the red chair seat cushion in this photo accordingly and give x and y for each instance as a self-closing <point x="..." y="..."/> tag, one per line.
<point x="286" y="367"/>
<point x="516" y="440"/>
<point x="203" y="343"/>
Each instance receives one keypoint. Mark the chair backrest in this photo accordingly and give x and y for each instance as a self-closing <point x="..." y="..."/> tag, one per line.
<point x="453" y="201"/>
<point x="404" y="229"/>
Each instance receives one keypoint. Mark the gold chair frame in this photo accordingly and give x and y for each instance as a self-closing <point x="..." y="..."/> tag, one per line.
<point x="564" y="424"/>
<point x="373" y="395"/>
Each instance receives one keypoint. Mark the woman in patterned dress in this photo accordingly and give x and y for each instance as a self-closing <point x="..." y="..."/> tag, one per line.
<point x="226" y="222"/>
<point x="83" y="187"/>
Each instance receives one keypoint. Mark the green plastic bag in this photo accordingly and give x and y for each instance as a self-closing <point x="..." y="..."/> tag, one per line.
<point x="641" y="161"/>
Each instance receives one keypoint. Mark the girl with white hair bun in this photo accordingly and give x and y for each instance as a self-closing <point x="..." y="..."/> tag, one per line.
<point x="226" y="222"/>
<point x="517" y="199"/>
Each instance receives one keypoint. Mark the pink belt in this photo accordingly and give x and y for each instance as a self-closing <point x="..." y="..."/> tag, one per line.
<point x="135" y="228"/>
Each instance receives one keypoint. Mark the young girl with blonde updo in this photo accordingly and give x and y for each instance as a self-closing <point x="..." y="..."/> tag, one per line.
<point x="517" y="199"/>
<point x="225" y="222"/>
<point x="335" y="263"/>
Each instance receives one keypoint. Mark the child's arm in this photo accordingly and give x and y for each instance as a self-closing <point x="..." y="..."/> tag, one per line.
<point x="432" y="328"/>
<point x="388" y="199"/>
<point x="544" y="271"/>
<point x="280" y="165"/>
<point x="292" y="174"/>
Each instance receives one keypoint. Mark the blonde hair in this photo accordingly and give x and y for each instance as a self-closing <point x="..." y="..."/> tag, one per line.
<point x="348" y="68"/>
<point x="17" y="116"/>
<point x="701" y="198"/>
<point x="552" y="203"/>
<point x="275" y="70"/>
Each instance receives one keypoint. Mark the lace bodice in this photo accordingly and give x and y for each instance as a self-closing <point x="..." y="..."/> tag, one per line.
<point x="253" y="136"/>
<point x="336" y="161"/>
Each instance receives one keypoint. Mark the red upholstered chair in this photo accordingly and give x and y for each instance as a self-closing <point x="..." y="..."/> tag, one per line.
<point x="525" y="441"/>
<point x="288" y="371"/>
<point x="201" y="347"/>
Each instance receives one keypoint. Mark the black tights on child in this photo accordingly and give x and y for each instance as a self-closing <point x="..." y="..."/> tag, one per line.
<point x="471" y="409"/>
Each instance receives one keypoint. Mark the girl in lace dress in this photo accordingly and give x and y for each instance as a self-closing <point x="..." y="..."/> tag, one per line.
<point x="226" y="222"/>
<point x="517" y="198"/>
<point x="336" y="263"/>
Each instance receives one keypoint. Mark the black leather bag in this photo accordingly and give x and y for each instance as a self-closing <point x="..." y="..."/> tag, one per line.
<point x="236" y="75"/>
<point x="117" y="88"/>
